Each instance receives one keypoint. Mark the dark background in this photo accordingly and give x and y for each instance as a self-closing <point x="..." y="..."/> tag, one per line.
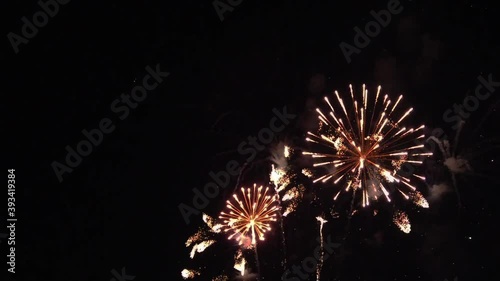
<point x="119" y="207"/>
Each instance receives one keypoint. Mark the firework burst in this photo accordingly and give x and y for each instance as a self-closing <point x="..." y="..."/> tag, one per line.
<point x="365" y="145"/>
<point x="251" y="216"/>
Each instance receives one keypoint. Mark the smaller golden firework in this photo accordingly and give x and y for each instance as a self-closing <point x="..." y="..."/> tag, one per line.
<point x="251" y="216"/>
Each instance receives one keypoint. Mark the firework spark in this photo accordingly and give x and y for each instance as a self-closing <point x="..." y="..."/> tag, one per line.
<point x="221" y="278"/>
<point x="203" y="238"/>
<point x="240" y="262"/>
<point x="287" y="151"/>
<point x="419" y="199"/>
<point x="210" y="222"/>
<point x="279" y="170"/>
<point x="402" y="222"/>
<point x="189" y="273"/>
<point x="366" y="145"/>
<point x="280" y="154"/>
<point x="200" y="235"/>
<point x="200" y="247"/>
<point x="251" y="216"/>
<point x="293" y="197"/>
<point x="308" y="173"/>
<point x="279" y="178"/>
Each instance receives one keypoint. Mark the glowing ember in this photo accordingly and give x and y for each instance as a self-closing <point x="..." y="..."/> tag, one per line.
<point x="402" y="222"/>
<point x="216" y="228"/>
<point x="279" y="178"/>
<point x="308" y="173"/>
<point x="189" y="274"/>
<point x="293" y="197"/>
<point x="419" y="200"/>
<point x="287" y="151"/>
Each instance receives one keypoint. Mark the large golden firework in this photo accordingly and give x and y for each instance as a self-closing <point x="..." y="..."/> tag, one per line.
<point x="250" y="217"/>
<point x="365" y="145"/>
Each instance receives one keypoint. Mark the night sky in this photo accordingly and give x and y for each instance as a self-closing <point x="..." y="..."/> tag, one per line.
<point x="216" y="77"/>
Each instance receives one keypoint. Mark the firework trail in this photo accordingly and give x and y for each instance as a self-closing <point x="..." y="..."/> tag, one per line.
<point x="367" y="147"/>
<point x="277" y="179"/>
<point x="321" y="221"/>
<point x="280" y="177"/>
<point x="352" y="211"/>
<point x="257" y="261"/>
